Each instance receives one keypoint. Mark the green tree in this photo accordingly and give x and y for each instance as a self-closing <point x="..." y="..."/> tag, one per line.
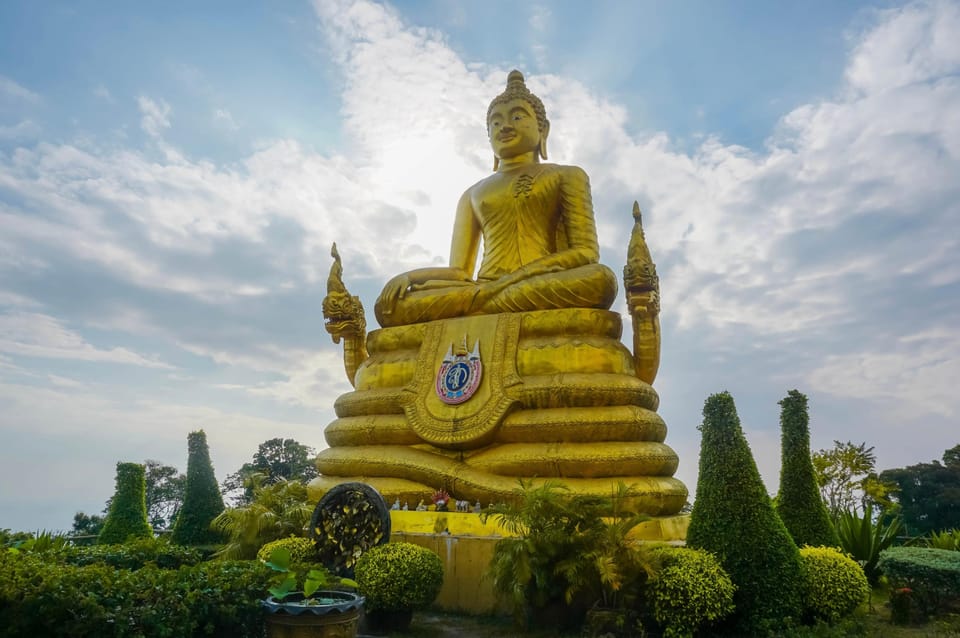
<point x="277" y="510"/>
<point x="848" y="479"/>
<point x="86" y="524"/>
<point x="798" y="503"/>
<point x="166" y="487"/>
<point x="734" y="519"/>
<point x="275" y="459"/>
<point x="202" y="501"/>
<point x="128" y="510"/>
<point x="929" y="493"/>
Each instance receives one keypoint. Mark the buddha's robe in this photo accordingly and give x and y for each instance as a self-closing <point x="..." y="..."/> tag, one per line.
<point x="540" y="251"/>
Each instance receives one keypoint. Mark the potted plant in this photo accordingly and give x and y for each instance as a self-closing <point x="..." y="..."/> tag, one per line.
<point x="303" y="604"/>
<point x="568" y="559"/>
<point x="396" y="579"/>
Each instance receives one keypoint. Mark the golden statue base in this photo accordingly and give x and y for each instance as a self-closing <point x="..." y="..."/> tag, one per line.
<point x="558" y="398"/>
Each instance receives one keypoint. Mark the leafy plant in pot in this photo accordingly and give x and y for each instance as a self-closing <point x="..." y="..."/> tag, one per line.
<point x="303" y="602"/>
<point x="565" y="554"/>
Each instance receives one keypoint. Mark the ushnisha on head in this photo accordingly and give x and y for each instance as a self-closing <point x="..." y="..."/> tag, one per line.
<point x="517" y="90"/>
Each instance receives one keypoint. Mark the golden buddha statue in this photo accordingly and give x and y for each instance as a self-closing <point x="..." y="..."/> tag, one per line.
<point x="519" y="372"/>
<point x="536" y="220"/>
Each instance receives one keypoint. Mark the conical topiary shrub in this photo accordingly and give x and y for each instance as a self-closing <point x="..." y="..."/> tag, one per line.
<point x="799" y="504"/>
<point x="733" y="518"/>
<point x="202" y="501"/>
<point x="128" y="509"/>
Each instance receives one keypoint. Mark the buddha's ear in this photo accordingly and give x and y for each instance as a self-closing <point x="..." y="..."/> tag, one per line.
<point x="496" y="163"/>
<point x="543" y="140"/>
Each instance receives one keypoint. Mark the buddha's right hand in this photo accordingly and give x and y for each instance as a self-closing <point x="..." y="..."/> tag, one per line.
<point x="394" y="291"/>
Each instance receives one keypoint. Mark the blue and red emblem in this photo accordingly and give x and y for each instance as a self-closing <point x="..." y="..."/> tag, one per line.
<point x="459" y="374"/>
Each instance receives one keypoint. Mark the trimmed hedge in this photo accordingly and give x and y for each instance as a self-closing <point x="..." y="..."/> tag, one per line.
<point x="691" y="591"/>
<point x="40" y="598"/>
<point x="202" y="501"/>
<point x="932" y="574"/>
<point x="834" y="584"/>
<point x="733" y="519"/>
<point x="399" y="577"/>
<point x="128" y="510"/>
<point x="133" y="555"/>
<point x="799" y="503"/>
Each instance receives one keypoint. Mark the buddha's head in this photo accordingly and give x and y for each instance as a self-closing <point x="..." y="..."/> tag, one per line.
<point x="517" y="121"/>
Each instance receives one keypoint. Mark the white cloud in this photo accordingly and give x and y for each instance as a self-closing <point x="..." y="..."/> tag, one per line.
<point x="912" y="375"/>
<point x="315" y="381"/>
<point x="26" y="129"/>
<point x="103" y="93"/>
<point x="224" y="119"/>
<point x="916" y="43"/>
<point x="155" y="116"/>
<point x="10" y="89"/>
<point x="540" y="17"/>
<point x="39" y="335"/>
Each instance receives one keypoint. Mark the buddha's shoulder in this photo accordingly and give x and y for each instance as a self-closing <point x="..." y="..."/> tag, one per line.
<point x="563" y="171"/>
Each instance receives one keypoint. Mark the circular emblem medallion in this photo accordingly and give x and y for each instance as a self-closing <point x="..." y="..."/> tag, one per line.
<point x="459" y="376"/>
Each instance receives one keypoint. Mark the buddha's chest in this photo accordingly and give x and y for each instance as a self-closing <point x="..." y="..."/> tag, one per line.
<point x="525" y="203"/>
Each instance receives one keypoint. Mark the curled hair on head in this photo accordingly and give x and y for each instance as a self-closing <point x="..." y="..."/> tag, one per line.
<point x="517" y="90"/>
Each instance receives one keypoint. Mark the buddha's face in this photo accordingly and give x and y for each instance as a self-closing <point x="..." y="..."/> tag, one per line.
<point x="513" y="129"/>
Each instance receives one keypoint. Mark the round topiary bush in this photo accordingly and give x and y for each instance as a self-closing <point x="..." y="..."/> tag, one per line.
<point x="399" y="577"/>
<point x="834" y="585"/>
<point x="301" y="550"/>
<point x="691" y="591"/>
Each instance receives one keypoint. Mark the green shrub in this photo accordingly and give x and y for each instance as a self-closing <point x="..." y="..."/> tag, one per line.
<point x="302" y="550"/>
<point x="834" y="585"/>
<point x="43" y="598"/>
<point x="799" y="503"/>
<point x="278" y="510"/>
<point x="733" y="519"/>
<point x="691" y="591"/>
<point x="128" y="509"/>
<point x="43" y="542"/>
<point x="948" y="539"/>
<point x="228" y="598"/>
<point x="863" y="539"/>
<point x="135" y="554"/>
<point x="202" y="501"/>
<point x="932" y="574"/>
<point x="399" y="577"/>
<point x="8" y="538"/>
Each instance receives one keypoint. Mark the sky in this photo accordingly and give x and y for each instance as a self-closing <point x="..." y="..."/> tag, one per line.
<point x="172" y="176"/>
